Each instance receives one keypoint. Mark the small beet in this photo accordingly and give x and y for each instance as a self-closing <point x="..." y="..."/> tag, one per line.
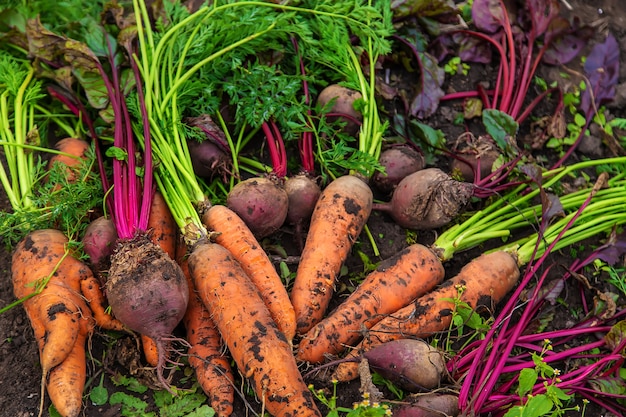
<point x="430" y="405"/>
<point x="99" y="242"/>
<point x="427" y="199"/>
<point x="474" y="155"/>
<point x="262" y="203"/>
<point x="412" y="364"/>
<point x="303" y="192"/>
<point x="208" y="159"/>
<point x="147" y="291"/>
<point x="399" y="162"/>
<point x="344" y="99"/>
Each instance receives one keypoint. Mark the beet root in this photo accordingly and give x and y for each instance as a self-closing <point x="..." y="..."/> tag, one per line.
<point x="303" y="192"/>
<point x="412" y="364"/>
<point x="430" y="405"/>
<point x="262" y="203"/>
<point x="399" y="162"/>
<point x="343" y="104"/>
<point x="147" y="291"/>
<point x="99" y="242"/>
<point x="427" y="199"/>
<point x="474" y="157"/>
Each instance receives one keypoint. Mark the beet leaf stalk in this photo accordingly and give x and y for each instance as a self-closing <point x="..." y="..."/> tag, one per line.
<point x="596" y="215"/>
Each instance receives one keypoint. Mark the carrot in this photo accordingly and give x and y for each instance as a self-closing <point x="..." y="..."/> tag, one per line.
<point x="48" y="277"/>
<point x="92" y="291"/>
<point x="234" y="235"/>
<point x="67" y="381"/>
<point x="338" y="218"/>
<point x="161" y="225"/>
<point x="163" y="232"/>
<point x="206" y="354"/>
<point x="260" y="350"/>
<point x="485" y="281"/>
<point x="72" y="146"/>
<point x="395" y="283"/>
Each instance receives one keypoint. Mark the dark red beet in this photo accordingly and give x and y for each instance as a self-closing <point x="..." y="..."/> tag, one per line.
<point x="427" y="199"/>
<point x="398" y="162"/>
<point x="474" y="155"/>
<point x="303" y="193"/>
<point x="208" y="159"/>
<point x="262" y="203"/>
<point x="99" y="242"/>
<point x="147" y="291"/>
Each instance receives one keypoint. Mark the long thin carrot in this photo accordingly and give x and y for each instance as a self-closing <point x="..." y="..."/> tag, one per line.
<point x="395" y="283"/>
<point x="234" y="235"/>
<point x="92" y="291"/>
<point x="485" y="281"/>
<point x="338" y="218"/>
<point x="260" y="350"/>
<point x="206" y="354"/>
<point x="48" y="277"/>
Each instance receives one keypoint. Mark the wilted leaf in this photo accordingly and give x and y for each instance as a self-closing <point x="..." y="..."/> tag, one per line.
<point x="602" y="70"/>
<point x="612" y="251"/>
<point x="616" y="335"/>
<point x="564" y="42"/>
<point x="429" y="91"/>
<point x="608" y="385"/>
<point x="541" y="13"/>
<point x="44" y="44"/>
<point x="423" y="8"/>
<point x="550" y="206"/>
<point x="488" y="15"/>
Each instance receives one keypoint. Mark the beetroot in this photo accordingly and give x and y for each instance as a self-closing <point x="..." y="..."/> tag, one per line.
<point x="398" y="162"/>
<point x="147" y="291"/>
<point x="474" y="157"/>
<point x="411" y="364"/>
<point x="342" y="106"/>
<point x="98" y="243"/>
<point x="209" y="157"/>
<point x="262" y="203"/>
<point x="303" y="193"/>
<point x="430" y="405"/>
<point x="427" y="199"/>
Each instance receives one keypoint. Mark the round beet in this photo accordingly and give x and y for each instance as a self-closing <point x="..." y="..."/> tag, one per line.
<point x="343" y="105"/>
<point x="262" y="203"/>
<point x="303" y="192"/>
<point x="99" y="242"/>
<point x="147" y="292"/>
<point x="398" y="162"/>
<point x="427" y="199"/>
<point x="208" y="159"/>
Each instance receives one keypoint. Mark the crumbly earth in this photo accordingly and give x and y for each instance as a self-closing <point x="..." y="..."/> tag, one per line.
<point x="19" y="369"/>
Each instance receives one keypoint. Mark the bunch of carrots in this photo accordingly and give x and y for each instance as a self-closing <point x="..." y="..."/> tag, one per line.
<point x="269" y="335"/>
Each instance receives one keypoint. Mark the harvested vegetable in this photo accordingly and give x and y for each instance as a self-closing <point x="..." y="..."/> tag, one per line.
<point x="302" y="193"/>
<point x="233" y="234"/>
<point x="260" y="350"/>
<point x="47" y="277"/>
<point x="430" y="405"/>
<point x="395" y="283"/>
<point x="341" y="105"/>
<point x="339" y="216"/>
<point x="484" y="282"/>
<point x="398" y="162"/>
<point x="411" y="364"/>
<point x="74" y="150"/>
<point x="98" y="243"/>
<point x="427" y="199"/>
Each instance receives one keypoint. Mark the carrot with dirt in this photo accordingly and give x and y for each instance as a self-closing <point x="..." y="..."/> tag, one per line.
<point x="482" y="282"/>
<point x="234" y="235"/>
<point x="258" y="347"/>
<point x="339" y="216"/>
<point x="48" y="278"/>
<point x="206" y="354"/>
<point x="395" y="283"/>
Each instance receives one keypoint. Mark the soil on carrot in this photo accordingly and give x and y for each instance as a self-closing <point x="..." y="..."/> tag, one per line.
<point x="118" y="354"/>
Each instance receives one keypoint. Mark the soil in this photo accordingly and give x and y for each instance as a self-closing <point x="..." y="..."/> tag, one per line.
<point x="20" y="373"/>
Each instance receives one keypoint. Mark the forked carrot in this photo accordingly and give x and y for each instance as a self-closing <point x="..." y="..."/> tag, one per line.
<point x="338" y="218"/>
<point x="395" y="283"/>
<point x="258" y="347"/>
<point x="234" y="235"/>
<point x="484" y="281"/>
<point x="49" y="277"/>
<point x="207" y="352"/>
<point x="92" y="291"/>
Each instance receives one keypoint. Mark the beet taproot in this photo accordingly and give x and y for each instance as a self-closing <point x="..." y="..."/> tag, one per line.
<point x="398" y="162"/>
<point x="341" y="100"/>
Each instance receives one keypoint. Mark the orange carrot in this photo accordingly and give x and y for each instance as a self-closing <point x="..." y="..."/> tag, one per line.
<point x="72" y="146"/>
<point x="66" y="381"/>
<point x="57" y="311"/>
<point x="234" y="235"/>
<point x="260" y="350"/>
<point x="90" y="287"/>
<point x="484" y="282"/>
<point x="395" y="283"/>
<point x="162" y="226"/>
<point x="206" y="354"/>
<point x="338" y="218"/>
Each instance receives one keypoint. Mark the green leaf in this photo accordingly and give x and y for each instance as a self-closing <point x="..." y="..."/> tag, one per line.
<point x="131" y="406"/>
<point x="99" y="395"/>
<point x="117" y="153"/>
<point x="130" y="383"/>
<point x="537" y="406"/>
<point x="501" y="127"/>
<point x="616" y="335"/>
<point x="527" y="379"/>
<point x="204" y="411"/>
